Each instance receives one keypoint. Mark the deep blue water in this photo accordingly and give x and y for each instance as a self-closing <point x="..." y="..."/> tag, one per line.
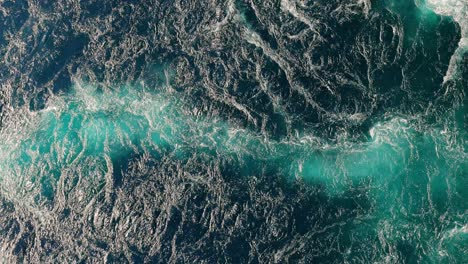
<point x="233" y="131"/>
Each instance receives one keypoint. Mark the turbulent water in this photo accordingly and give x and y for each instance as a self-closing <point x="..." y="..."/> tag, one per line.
<point x="234" y="131"/>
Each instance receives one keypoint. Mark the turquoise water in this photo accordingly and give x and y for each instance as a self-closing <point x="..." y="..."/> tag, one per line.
<point x="413" y="174"/>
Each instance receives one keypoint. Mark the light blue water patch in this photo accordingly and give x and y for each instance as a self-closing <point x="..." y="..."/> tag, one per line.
<point x="89" y="122"/>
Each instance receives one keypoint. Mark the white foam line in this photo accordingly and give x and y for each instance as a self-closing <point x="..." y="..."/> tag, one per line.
<point x="291" y="8"/>
<point x="458" y="10"/>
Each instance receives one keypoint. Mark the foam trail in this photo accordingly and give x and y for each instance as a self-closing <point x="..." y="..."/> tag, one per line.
<point x="89" y="122"/>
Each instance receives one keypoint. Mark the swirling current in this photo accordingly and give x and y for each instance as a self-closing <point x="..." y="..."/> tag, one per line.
<point x="233" y="131"/>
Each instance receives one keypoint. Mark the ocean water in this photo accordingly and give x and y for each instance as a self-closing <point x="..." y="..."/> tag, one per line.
<point x="233" y="131"/>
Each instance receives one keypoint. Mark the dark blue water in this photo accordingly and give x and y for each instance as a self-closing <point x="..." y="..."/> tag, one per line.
<point x="233" y="131"/>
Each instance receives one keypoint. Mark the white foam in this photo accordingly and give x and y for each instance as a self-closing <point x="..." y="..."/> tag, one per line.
<point x="458" y="10"/>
